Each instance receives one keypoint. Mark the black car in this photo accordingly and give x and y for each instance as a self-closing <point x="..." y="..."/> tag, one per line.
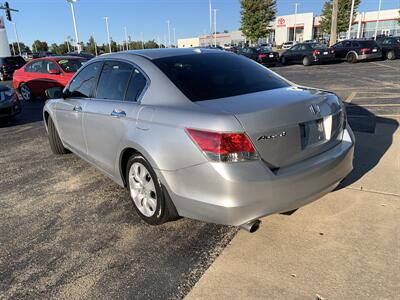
<point x="10" y="105"/>
<point x="390" y="47"/>
<point x="8" y="65"/>
<point x="307" y="54"/>
<point x="263" y="55"/>
<point x="80" y="54"/>
<point x="356" y="50"/>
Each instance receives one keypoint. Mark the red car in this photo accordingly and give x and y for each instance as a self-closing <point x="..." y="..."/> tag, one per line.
<point x="33" y="79"/>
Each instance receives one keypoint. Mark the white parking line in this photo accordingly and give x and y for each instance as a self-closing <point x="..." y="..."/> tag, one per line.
<point x="351" y="97"/>
<point x="385" y="66"/>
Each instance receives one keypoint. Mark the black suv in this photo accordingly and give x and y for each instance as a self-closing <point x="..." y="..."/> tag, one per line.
<point x="390" y="47"/>
<point x="8" y="65"/>
<point x="355" y="50"/>
<point x="262" y="55"/>
<point x="307" y="54"/>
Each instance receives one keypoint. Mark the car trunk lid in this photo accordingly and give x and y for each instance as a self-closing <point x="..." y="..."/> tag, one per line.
<point x="286" y="125"/>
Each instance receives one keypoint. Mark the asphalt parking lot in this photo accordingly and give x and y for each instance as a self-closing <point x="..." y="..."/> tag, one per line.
<point x="67" y="231"/>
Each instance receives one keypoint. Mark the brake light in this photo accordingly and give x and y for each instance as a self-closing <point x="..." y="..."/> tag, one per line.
<point x="262" y="55"/>
<point x="365" y="50"/>
<point x="223" y="147"/>
<point x="316" y="52"/>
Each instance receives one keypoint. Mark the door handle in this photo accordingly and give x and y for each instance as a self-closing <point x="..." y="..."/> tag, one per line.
<point x="118" y="113"/>
<point x="77" y="108"/>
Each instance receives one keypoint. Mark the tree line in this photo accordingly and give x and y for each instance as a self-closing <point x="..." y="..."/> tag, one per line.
<point x="89" y="46"/>
<point x="257" y="15"/>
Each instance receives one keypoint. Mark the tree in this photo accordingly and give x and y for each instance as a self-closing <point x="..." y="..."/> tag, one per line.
<point x="40" y="46"/>
<point x="343" y="15"/>
<point x="24" y="48"/>
<point x="256" y="16"/>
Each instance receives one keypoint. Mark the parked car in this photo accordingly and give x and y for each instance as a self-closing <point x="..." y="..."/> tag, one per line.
<point x="43" y="73"/>
<point x="356" y="50"/>
<point x="234" y="49"/>
<point x="202" y="133"/>
<point x="307" y="54"/>
<point x="390" y="47"/>
<point x="10" y="105"/>
<point x="8" y="65"/>
<point x="288" y="45"/>
<point x="27" y="55"/>
<point x="83" y="54"/>
<point x="263" y="56"/>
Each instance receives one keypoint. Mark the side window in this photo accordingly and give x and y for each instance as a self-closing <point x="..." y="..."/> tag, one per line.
<point x="136" y="86"/>
<point x="114" y="80"/>
<point x="49" y="65"/>
<point x="302" y="47"/>
<point x="34" y="67"/>
<point x="82" y="85"/>
<point x="338" y="45"/>
<point x="355" y="44"/>
<point x="294" y="48"/>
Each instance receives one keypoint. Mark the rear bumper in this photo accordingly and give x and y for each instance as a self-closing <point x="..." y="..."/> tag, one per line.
<point x="324" y="59"/>
<point x="369" y="56"/>
<point x="235" y="194"/>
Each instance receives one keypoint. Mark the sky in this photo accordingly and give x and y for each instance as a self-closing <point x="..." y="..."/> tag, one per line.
<point x="51" y="20"/>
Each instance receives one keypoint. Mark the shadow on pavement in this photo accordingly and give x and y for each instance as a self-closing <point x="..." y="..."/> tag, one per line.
<point x="31" y="112"/>
<point x="370" y="145"/>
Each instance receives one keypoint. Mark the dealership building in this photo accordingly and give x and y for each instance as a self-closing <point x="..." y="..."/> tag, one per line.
<point x="307" y="27"/>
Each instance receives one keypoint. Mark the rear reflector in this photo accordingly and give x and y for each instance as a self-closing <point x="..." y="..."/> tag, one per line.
<point x="365" y="50"/>
<point x="226" y="147"/>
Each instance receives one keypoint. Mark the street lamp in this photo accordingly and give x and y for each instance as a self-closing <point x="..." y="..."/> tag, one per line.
<point x="377" y="19"/>
<point x="351" y="19"/>
<point x="173" y="29"/>
<point x="108" y="34"/>
<point x="126" y="38"/>
<point x="17" y="37"/>
<point x="169" y="35"/>
<point x="210" y="13"/>
<point x="71" y="2"/>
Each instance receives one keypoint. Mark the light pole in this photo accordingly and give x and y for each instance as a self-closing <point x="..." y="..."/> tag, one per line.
<point x="69" y="50"/>
<point x="71" y="2"/>
<point x="351" y="19"/>
<point x="295" y="20"/>
<point x="95" y="44"/>
<point x="210" y="12"/>
<point x="173" y="30"/>
<point x="17" y="37"/>
<point x="215" y="28"/>
<point x="13" y="49"/>
<point x="169" y="35"/>
<point x="126" y="38"/>
<point x="377" y="19"/>
<point x="108" y="34"/>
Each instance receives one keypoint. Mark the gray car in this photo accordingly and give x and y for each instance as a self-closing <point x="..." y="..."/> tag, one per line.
<point x="202" y="133"/>
<point x="10" y="105"/>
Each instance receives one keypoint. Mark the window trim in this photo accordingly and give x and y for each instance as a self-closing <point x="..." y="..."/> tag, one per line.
<point x="135" y="66"/>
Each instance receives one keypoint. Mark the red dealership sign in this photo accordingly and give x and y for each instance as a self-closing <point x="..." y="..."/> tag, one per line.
<point x="281" y="22"/>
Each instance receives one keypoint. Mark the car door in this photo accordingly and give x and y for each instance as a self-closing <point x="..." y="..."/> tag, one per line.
<point x="51" y="75"/>
<point x="32" y="76"/>
<point x="291" y="53"/>
<point x="112" y="111"/>
<point x="301" y="52"/>
<point x="69" y="112"/>
<point x="340" y="51"/>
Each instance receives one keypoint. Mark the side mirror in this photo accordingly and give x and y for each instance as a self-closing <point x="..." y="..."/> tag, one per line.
<point x="54" y="93"/>
<point x="54" y="71"/>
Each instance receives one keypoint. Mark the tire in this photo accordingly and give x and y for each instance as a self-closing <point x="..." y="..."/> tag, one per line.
<point x="390" y="55"/>
<point x="306" y="61"/>
<point x="54" y="139"/>
<point x="351" y="58"/>
<point x="25" y="92"/>
<point x="283" y="60"/>
<point x="150" y="199"/>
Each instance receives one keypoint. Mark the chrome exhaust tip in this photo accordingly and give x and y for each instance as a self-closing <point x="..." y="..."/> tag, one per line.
<point x="251" y="226"/>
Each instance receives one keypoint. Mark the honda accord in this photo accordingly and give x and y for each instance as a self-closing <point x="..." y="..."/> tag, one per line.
<point x="202" y="133"/>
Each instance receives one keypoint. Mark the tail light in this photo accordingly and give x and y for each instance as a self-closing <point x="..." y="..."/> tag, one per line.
<point x="365" y="50"/>
<point x="223" y="147"/>
<point x="262" y="56"/>
<point x="316" y="52"/>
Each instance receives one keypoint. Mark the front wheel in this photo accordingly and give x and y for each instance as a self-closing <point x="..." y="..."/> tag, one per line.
<point x="146" y="191"/>
<point x="25" y="92"/>
<point x="56" y="144"/>
<point x="390" y="55"/>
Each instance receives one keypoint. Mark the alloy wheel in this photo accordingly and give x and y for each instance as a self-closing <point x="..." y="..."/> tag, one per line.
<point x="25" y="92"/>
<point x="142" y="189"/>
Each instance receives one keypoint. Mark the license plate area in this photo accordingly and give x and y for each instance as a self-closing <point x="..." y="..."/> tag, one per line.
<point x="312" y="133"/>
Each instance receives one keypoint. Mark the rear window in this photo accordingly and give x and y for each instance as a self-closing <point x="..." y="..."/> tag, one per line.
<point x="318" y="46"/>
<point x="71" y="65"/>
<point x="367" y="43"/>
<point x="217" y="75"/>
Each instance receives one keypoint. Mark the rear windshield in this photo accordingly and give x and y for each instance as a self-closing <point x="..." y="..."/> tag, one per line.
<point x="367" y="43"/>
<point x="217" y="75"/>
<point x="14" y="60"/>
<point x="318" y="46"/>
<point x="71" y="65"/>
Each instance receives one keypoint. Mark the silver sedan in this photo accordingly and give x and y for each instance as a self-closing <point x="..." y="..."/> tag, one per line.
<point x="201" y="133"/>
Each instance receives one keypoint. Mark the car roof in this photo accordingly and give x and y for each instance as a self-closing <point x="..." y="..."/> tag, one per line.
<point x="168" y="52"/>
<point x="58" y="58"/>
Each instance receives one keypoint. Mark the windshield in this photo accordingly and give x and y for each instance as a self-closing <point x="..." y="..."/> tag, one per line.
<point x="212" y="75"/>
<point x="71" y="65"/>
